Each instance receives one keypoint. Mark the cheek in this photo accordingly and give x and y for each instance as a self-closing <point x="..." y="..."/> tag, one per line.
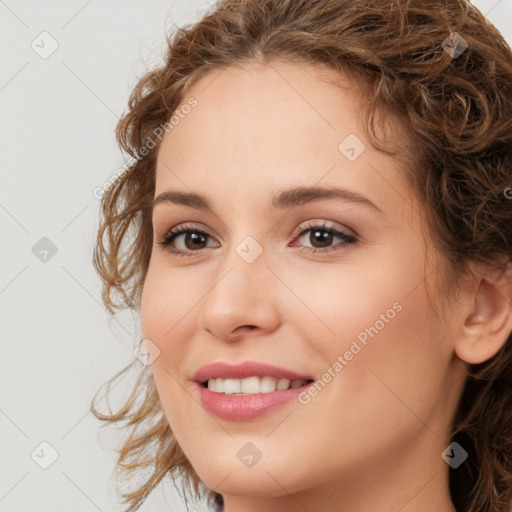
<point x="167" y="298"/>
<point x="161" y="310"/>
<point x="392" y="375"/>
<point x="153" y="309"/>
<point x="169" y="305"/>
<point x="334" y="304"/>
<point x="380" y="323"/>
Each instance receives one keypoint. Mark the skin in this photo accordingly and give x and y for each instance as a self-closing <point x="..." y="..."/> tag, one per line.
<point x="372" y="438"/>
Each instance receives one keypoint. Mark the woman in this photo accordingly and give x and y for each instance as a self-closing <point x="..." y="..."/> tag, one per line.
<point x="320" y="206"/>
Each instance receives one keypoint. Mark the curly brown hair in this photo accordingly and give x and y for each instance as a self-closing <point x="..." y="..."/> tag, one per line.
<point x="457" y="110"/>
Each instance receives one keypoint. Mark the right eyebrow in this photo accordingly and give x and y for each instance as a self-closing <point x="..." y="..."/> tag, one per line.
<point x="189" y="199"/>
<point x="302" y="195"/>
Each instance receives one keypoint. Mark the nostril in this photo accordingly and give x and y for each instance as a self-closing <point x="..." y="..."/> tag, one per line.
<point x="245" y="327"/>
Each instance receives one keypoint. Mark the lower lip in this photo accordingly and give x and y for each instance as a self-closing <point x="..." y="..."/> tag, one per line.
<point x="245" y="407"/>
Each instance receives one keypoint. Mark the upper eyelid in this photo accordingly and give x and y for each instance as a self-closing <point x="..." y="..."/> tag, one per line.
<point x="329" y="224"/>
<point x="186" y="227"/>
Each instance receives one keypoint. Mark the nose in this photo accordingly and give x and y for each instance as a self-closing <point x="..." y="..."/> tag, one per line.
<point x="241" y="300"/>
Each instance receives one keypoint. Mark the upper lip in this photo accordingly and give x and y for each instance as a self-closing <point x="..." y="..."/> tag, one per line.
<point x="245" y="369"/>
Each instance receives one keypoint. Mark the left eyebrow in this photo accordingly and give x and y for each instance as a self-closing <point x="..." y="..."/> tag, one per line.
<point x="282" y="200"/>
<point x="303" y="195"/>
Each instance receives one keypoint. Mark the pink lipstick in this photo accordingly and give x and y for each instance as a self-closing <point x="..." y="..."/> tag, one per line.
<point x="249" y="390"/>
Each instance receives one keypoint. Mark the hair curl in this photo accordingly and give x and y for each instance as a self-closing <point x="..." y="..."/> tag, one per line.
<point x="458" y="113"/>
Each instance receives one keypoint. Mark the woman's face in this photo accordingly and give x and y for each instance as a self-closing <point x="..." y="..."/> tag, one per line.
<point x="354" y="316"/>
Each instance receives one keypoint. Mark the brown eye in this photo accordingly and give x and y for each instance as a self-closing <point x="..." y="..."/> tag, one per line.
<point x="192" y="240"/>
<point x="322" y="236"/>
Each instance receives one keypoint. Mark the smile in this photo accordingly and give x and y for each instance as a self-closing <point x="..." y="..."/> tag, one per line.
<point x="251" y="385"/>
<point x="246" y="406"/>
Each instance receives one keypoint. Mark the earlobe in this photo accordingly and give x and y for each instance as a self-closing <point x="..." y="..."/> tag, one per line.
<point x="486" y="323"/>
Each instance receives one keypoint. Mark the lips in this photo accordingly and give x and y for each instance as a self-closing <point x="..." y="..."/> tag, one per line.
<point x="246" y="407"/>
<point x="244" y="370"/>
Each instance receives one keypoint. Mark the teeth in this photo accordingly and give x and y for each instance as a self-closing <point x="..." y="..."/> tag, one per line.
<point x="219" y="385"/>
<point x="252" y="385"/>
<point x="283" y="384"/>
<point x="267" y="384"/>
<point x="249" y="385"/>
<point x="231" y="386"/>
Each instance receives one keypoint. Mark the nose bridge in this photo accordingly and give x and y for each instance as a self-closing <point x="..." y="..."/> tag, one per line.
<point x="240" y="293"/>
<point x="241" y="273"/>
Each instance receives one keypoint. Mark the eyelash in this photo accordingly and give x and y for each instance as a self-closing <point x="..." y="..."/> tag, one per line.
<point x="171" y="235"/>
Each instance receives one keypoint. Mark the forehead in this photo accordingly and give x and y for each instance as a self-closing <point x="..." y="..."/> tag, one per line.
<point x="255" y="109"/>
<point x="276" y="125"/>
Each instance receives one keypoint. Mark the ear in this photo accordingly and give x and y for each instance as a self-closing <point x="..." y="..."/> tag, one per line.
<point x="486" y="322"/>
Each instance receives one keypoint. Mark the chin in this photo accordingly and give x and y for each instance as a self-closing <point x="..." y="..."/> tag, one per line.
<point x="225" y="472"/>
<point x="247" y="483"/>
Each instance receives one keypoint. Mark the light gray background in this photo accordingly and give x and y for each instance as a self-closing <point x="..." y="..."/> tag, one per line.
<point x="58" y="346"/>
